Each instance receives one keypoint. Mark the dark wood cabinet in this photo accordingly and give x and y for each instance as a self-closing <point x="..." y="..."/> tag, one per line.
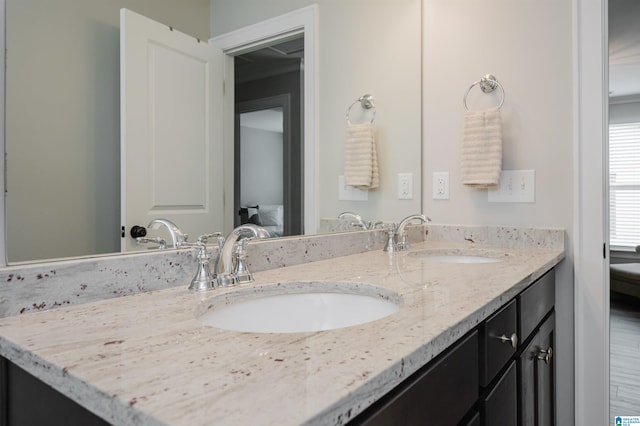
<point x="500" y="405"/>
<point x="513" y="371"/>
<point x="26" y="401"/>
<point x="440" y="394"/>
<point x="498" y="342"/>
<point x="473" y="420"/>
<point x="536" y="378"/>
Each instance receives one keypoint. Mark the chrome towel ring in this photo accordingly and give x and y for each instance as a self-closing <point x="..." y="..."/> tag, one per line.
<point x="488" y="84"/>
<point x="366" y="102"/>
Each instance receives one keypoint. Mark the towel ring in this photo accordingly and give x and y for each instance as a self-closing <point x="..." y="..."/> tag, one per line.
<point x="488" y="84"/>
<point x="366" y="102"/>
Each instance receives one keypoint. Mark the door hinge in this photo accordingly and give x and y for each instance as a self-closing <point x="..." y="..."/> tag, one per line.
<point x="604" y="250"/>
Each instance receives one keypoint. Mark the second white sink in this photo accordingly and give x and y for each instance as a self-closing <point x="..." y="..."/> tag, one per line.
<point x="300" y="307"/>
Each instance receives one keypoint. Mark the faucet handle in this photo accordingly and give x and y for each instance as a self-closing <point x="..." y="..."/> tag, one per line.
<point x="162" y="244"/>
<point x="240" y="270"/>
<point x="206" y="237"/>
<point x="390" y="229"/>
<point x="203" y="280"/>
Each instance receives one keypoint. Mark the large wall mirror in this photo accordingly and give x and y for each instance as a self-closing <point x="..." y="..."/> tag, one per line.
<point x="62" y="116"/>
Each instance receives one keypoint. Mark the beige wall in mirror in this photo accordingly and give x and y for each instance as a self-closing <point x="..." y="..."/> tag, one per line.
<point x="62" y="109"/>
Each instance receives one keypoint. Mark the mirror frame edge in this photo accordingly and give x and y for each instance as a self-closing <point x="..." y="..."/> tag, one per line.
<point x="3" y="253"/>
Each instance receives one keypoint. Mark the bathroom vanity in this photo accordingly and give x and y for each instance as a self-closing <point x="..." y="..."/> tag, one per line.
<point x="471" y="343"/>
<point x="501" y="372"/>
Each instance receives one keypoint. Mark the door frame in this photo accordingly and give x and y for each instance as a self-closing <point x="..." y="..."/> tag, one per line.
<point x="591" y="213"/>
<point x="269" y="32"/>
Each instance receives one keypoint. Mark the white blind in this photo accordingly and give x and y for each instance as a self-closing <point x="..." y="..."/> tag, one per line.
<point x="624" y="184"/>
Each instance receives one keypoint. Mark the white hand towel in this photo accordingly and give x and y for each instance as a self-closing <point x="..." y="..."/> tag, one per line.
<point x="482" y="148"/>
<point x="360" y="158"/>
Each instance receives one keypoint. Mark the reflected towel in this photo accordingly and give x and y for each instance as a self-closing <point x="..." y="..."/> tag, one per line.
<point x="482" y="148"/>
<point x="360" y="157"/>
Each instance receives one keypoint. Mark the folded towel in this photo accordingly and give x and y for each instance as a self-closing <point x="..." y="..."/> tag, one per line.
<point x="482" y="148"/>
<point x="360" y="158"/>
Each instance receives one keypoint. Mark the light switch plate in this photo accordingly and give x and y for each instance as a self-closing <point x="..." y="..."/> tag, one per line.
<point x="516" y="186"/>
<point x="349" y="193"/>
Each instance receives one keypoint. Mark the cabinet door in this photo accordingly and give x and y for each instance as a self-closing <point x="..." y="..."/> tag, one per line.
<point x="27" y="401"/>
<point x="536" y="378"/>
<point x="440" y="394"/>
<point x="473" y="421"/>
<point x="500" y="406"/>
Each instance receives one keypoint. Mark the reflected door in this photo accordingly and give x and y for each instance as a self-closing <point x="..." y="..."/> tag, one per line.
<point x="261" y="169"/>
<point x="268" y="173"/>
<point x="171" y="124"/>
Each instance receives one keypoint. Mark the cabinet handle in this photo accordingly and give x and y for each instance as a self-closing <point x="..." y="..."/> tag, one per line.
<point x="513" y="340"/>
<point x="545" y="355"/>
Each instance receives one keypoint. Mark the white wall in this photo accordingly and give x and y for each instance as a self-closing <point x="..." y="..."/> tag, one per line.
<point x="527" y="45"/>
<point x="365" y="46"/>
<point x="63" y="121"/>
<point x="261" y="169"/>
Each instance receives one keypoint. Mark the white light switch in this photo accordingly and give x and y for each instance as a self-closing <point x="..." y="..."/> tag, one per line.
<point x="516" y="186"/>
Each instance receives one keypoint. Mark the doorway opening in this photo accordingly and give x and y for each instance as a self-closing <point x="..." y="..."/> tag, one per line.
<point x="623" y="146"/>
<point x="268" y="138"/>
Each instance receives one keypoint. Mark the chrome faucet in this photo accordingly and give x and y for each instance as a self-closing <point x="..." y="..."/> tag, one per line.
<point x="177" y="236"/>
<point x="359" y="222"/>
<point x="402" y="242"/>
<point x="397" y="236"/>
<point x="228" y="273"/>
<point x="358" y="219"/>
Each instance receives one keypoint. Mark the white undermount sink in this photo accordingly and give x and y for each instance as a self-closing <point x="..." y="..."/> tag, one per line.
<point x="300" y="307"/>
<point x="456" y="256"/>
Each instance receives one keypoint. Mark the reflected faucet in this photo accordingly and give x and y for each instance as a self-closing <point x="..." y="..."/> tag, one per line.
<point x="177" y="236"/>
<point x="358" y="219"/>
<point x="226" y="275"/>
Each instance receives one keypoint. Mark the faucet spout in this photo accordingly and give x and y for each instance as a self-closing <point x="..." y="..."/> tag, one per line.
<point x="359" y="222"/>
<point x="401" y="235"/>
<point x="225" y="274"/>
<point x="177" y="236"/>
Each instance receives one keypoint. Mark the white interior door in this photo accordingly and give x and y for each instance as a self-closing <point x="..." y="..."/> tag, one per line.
<point x="171" y="129"/>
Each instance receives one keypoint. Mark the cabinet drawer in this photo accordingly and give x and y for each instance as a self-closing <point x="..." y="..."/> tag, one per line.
<point x="500" y="406"/>
<point x="534" y="303"/>
<point x="440" y="394"/>
<point x="495" y="342"/>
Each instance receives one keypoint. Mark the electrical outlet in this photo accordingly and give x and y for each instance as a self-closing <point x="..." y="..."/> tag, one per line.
<point x="440" y="185"/>
<point x="516" y="186"/>
<point x="405" y="186"/>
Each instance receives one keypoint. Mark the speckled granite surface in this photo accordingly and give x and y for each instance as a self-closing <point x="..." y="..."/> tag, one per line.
<point x="43" y="286"/>
<point x="147" y="359"/>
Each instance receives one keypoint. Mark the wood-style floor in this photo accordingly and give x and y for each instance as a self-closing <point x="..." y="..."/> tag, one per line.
<point x="625" y="356"/>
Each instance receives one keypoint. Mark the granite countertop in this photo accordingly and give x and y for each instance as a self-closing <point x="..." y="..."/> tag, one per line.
<point x="147" y="359"/>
